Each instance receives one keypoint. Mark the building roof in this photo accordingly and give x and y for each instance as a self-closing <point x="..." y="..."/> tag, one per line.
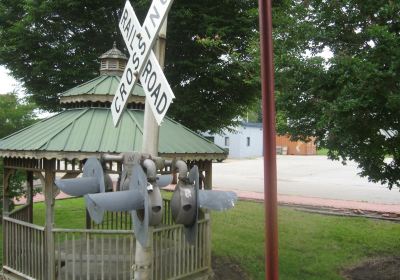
<point x="249" y="124"/>
<point x="114" y="53"/>
<point x="80" y="133"/>
<point x="101" y="88"/>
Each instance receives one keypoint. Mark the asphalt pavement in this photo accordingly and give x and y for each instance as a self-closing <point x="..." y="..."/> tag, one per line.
<point x="304" y="176"/>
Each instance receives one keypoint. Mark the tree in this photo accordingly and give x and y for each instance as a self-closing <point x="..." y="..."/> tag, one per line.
<point x="350" y="103"/>
<point x="15" y="114"/>
<point x="52" y="46"/>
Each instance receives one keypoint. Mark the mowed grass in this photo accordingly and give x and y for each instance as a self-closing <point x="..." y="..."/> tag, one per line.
<point x="322" y="152"/>
<point x="311" y="246"/>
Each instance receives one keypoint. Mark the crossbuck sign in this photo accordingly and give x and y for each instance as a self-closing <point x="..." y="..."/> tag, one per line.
<point x="142" y="63"/>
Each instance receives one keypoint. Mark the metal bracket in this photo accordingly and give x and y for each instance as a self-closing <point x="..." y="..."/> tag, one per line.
<point x="136" y="267"/>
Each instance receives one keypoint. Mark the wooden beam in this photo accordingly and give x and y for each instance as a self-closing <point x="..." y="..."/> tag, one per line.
<point x="208" y="175"/>
<point x="49" y="191"/>
<point x="6" y="183"/>
<point x="29" y="200"/>
<point x="6" y="177"/>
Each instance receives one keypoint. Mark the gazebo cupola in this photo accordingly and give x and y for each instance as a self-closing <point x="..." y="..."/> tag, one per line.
<point x="113" y="62"/>
<point x="100" y="91"/>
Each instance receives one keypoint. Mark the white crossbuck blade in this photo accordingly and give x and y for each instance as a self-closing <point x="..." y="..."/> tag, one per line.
<point x="142" y="62"/>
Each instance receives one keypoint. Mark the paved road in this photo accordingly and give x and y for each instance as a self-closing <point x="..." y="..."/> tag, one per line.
<point x="307" y="176"/>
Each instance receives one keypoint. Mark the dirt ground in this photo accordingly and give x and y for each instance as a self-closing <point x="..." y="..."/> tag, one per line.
<point x="378" y="268"/>
<point x="387" y="268"/>
<point x="373" y="269"/>
<point x="225" y="269"/>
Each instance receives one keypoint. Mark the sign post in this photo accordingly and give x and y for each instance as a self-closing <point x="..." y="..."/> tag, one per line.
<point x="143" y="65"/>
<point x="151" y="128"/>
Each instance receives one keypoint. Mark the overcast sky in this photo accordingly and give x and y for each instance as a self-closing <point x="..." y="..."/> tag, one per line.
<point x="7" y="83"/>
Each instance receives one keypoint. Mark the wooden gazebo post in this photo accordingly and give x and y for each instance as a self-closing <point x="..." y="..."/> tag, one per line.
<point x="208" y="174"/>
<point x="6" y="178"/>
<point x="49" y="191"/>
<point x="29" y="197"/>
<point x="6" y="183"/>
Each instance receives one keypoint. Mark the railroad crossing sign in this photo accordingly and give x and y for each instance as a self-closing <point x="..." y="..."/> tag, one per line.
<point x="142" y="63"/>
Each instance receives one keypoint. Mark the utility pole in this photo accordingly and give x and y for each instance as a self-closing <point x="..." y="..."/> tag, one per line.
<point x="143" y="254"/>
<point x="268" y="109"/>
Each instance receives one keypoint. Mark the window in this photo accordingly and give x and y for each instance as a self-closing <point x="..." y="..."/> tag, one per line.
<point x="226" y="141"/>
<point x="121" y="65"/>
<point x="112" y="64"/>
<point x="248" y="141"/>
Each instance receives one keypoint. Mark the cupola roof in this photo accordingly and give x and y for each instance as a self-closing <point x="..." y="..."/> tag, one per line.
<point x="113" y="62"/>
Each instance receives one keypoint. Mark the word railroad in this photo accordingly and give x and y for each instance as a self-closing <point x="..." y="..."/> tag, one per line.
<point x="142" y="63"/>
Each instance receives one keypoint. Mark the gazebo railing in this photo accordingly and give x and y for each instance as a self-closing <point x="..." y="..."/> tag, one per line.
<point x="105" y="253"/>
<point x="174" y="258"/>
<point x="117" y="220"/>
<point x="22" y="214"/>
<point x="24" y="245"/>
<point x="94" y="254"/>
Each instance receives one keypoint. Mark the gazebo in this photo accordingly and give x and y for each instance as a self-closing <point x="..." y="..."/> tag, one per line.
<point x="58" y="146"/>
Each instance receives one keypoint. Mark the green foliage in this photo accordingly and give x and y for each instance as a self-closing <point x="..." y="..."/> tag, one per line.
<point x="206" y="40"/>
<point x="15" y="114"/>
<point x="16" y="189"/>
<point x="349" y="102"/>
<point x="52" y="46"/>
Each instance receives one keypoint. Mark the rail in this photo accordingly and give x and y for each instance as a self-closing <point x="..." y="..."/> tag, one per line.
<point x="94" y="254"/>
<point x="24" y="246"/>
<point x="22" y="213"/>
<point x="105" y="253"/>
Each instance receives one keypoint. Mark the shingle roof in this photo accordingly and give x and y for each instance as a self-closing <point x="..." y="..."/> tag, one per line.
<point x="75" y="133"/>
<point x="114" y="53"/>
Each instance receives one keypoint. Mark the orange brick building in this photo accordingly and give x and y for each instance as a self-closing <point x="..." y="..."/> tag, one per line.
<point x="286" y="147"/>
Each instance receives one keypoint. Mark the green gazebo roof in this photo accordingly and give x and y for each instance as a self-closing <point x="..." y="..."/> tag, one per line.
<point x="80" y="133"/>
<point x="101" y="88"/>
<point x="86" y="129"/>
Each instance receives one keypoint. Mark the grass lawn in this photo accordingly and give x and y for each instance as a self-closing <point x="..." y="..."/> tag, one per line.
<point x="312" y="246"/>
<point x="322" y="152"/>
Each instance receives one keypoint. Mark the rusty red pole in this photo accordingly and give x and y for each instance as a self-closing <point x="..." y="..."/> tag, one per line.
<point x="268" y="109"/>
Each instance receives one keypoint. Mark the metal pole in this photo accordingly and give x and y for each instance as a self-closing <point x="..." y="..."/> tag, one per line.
<point x="144" y="254"/>
<point x="268" y="109"/>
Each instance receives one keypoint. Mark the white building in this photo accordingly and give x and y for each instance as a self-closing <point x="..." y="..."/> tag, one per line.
<point x="243" y="142"/>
